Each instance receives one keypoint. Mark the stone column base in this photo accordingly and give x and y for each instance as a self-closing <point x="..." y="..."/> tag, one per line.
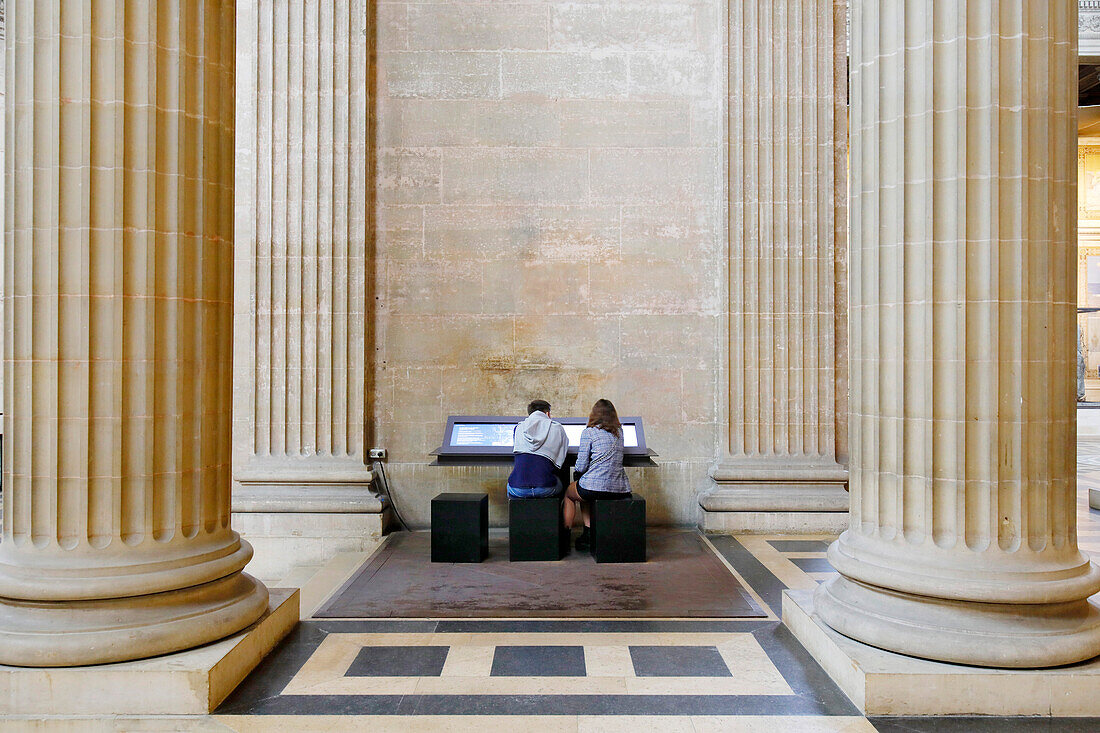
<point x="998" y="635"/>
<point x="193" y="682"/>
<point x="879" y="682"/>
<point x="776" y="508"/>
<point x="291" y="526"/>
<point x="66" y="633"/>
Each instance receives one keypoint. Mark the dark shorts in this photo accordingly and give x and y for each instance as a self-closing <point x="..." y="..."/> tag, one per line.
<point x="601" y="495"/>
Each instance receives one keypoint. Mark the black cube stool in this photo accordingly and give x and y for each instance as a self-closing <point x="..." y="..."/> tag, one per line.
<point x="535" y="530"/>
<point x="618" y="530"/>
<point x="460" y="527"/>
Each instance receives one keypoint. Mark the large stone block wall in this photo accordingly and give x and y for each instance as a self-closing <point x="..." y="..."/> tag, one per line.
<point x="550" y="223"/>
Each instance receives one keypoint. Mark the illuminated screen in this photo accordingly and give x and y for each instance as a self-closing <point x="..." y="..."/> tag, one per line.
<point x="500" y="435"/>
<point x="574" y="433"/>
<point x="468" y="434"/>
<point x="630" y="435"/>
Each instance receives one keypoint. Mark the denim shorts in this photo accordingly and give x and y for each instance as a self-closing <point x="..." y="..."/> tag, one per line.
<point x="535" y="493"/>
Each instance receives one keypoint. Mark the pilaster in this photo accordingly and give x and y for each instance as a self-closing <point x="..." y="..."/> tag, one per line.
<point x="783" y="463"/>
<point x="304" y="175"/>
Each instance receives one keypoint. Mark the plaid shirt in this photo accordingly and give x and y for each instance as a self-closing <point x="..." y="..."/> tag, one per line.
<point x="600" y="460"/>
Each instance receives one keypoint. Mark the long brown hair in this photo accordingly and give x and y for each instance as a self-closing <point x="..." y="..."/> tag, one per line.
<point x="603" y="416"/>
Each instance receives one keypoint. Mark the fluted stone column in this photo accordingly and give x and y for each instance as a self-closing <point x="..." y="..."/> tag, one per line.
<point x="304" y="291"/>
<point x="962" y="544"/>
<point x="117" y="541"/>
<point x="786" y="444"/>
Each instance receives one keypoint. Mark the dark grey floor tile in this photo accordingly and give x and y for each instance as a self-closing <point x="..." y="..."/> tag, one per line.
<point x="398" y="661"/>
<point x="678" y="661"/>
<point x="609" y="705"/>
<point x="759" y="578"/>
<point x="598" y="626"/>
<point x="376" y="626"/>
<point x="1074" y="725"/>
<point x="799" y="545"/>
<point x="537" y="705"/>
<point x="970" y="724"/>
<point x="805" y="677"/>
<point x="813" y="564"/>
<point x="538" y="661"/>
<point x="273" y="674"/>
<point x="333" y="705"/>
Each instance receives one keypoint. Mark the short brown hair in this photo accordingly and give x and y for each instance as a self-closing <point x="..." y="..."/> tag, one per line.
<point x="605" y="417"/>
<point x="538" y="406"/>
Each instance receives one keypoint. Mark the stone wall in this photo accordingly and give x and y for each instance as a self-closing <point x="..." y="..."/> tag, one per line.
<point x="550" y="223"/>
<point x="3" y="101"/>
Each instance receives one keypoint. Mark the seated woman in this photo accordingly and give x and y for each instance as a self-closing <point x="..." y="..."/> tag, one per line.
<point x="600" y="465"/>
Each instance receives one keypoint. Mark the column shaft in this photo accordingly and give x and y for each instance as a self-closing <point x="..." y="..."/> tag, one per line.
<point x="787" y="300"/>
<point x="962" y="544"/>
<point x="304" y="184"/>
<point x="118" y="317"/>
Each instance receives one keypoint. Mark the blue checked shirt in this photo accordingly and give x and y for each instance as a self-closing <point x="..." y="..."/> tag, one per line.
<point x="600" y="460"/>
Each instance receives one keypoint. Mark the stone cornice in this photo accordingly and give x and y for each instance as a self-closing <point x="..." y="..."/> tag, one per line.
<point x="1088" y="27"/>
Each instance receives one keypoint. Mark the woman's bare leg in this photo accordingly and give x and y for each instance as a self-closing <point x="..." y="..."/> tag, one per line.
<point x="568" y="513"/>
<point x="572" y="494"/>
<point x="569" y="508"/>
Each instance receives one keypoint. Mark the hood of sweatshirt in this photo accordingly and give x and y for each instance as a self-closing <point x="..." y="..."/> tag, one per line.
<point x="536" y="429"/>
<point x="542" y="436"/>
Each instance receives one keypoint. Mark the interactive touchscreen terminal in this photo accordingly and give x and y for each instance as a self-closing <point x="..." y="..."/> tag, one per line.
<point x="481" y="438"/>
<point x="483" y="434"/>
<point x="630" y="434"/>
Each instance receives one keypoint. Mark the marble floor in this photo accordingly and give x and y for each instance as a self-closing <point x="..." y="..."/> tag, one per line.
<point x="485" y="675"/>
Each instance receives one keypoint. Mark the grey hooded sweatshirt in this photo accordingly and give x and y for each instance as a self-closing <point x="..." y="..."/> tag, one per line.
<point x="540" y="448"/>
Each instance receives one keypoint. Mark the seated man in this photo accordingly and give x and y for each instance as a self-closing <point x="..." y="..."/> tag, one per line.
<point x="539" y="449"/>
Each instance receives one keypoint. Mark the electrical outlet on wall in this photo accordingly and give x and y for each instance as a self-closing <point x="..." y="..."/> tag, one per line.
<point x="378" y="454"/>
